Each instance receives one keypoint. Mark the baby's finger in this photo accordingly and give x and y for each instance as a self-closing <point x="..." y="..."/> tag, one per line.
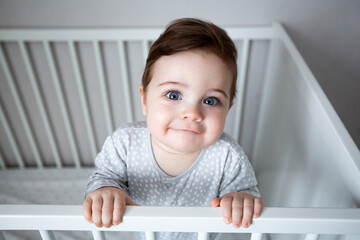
<point x="215" y="202"/>
<point x="248" y="211"/>
<point x="226" y="205"/>
<point x="107" y="211"/>
<point x="237" y="211"/>
<point x="87" y="209"/>
<point x="119" y="208"/>
<point x="96" y="211"/>
<point x="258" y="206"/>
<point x="130" y="202"/>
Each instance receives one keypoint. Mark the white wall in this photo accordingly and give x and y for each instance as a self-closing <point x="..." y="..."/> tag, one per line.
<point x="327" y="32"/>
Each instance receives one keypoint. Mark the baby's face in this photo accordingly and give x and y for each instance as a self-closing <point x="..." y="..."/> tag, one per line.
<point x="187" y="101"/>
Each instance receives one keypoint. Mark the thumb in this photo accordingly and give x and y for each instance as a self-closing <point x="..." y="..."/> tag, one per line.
<point x="215" y="202"/>
<point x="130" y="202"/>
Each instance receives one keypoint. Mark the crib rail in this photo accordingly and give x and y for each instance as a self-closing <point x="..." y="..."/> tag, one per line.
<point x="310" y="221"/>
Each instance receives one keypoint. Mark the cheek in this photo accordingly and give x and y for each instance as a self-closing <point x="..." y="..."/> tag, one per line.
<point x="157" y="115"/>
<point x="216" y="123"/>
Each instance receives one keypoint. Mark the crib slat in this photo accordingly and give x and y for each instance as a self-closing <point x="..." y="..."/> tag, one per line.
<point x="11" y="138"/>
<point x="61" y="99"/>
<point x="150" y="235"/>
<point x="125" y="80"/>
<point x="256" y="236"/>
<point x="83" y="99"/>
<point x="20" y="108"/>
<point x="103" y="87"/>
<point x="10" y="135"/>
<point x="311" y="236"/>
<point x="241" y="84"/>
<point x="203" y="235"/>
<point x="98" y="235"/>
<point x="47" y="235"/>
<point x="145" y="48"/>
<point x="2" y="237"/>
<point x="2" y="163"/>
<point x="40" y="102"/>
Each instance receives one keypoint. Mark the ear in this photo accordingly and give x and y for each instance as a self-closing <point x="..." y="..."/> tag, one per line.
<point x="143" y="99"/>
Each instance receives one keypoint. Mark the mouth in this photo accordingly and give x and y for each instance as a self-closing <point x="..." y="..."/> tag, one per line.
<point x="187" y="130"/>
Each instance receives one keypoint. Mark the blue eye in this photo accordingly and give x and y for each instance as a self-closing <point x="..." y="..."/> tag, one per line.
<point x="211" y="101"/>
<point x="173" y="95"/>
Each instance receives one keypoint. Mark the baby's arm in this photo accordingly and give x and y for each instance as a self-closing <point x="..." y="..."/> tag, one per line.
<point x="239" y="208"/>
<point x="106" y="206"/>
<point x="107" y="191"/>
<point x="238" y="195"/>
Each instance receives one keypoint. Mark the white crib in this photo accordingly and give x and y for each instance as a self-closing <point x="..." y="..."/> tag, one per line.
<point x="63" y="91"/>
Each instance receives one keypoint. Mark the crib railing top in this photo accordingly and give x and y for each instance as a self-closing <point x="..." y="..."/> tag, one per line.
<point x="128" y="34"/>
<point x="183" y="219"/>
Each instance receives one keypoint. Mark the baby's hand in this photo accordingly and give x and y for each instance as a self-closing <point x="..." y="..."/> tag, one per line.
<point x="106" y="206"/>
<point x="238" y="208"/>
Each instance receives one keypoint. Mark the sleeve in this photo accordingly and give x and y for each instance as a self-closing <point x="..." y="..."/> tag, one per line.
<point x="239" y="175"/>
<point x="111" y="168"/>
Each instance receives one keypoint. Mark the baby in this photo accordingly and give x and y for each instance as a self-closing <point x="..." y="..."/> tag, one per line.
<point x="180" y="156"/>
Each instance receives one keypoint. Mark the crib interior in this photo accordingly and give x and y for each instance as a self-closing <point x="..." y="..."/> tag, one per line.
<point x="301" y="159"/>
<point x="62" y="92"/>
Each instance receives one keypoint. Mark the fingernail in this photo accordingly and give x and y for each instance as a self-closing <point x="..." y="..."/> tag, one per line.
<point x="245" y="224"/>
<point x="227" y="220"/>
<point x="237" y="225"/>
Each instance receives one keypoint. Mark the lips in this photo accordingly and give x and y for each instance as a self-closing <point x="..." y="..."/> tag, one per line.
<point x="191" y="130"/>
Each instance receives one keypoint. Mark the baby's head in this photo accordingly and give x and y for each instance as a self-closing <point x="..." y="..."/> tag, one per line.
<point x="188" y="85"/>
<point x="193" y="34"/>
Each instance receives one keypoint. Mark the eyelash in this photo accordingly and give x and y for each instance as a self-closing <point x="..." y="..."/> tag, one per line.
<point x="218" y="102"/>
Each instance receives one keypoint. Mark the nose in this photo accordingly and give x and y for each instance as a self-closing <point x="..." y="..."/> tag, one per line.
<point x="192" y="113"/>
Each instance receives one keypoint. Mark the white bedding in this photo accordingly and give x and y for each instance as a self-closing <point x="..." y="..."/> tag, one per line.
<point x="43" y="186"/>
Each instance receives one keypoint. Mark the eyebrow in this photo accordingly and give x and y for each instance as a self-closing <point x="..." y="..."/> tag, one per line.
<point x="219" y="91"/>
<point x="172" y="83"/>
<point x="182" y="84"/>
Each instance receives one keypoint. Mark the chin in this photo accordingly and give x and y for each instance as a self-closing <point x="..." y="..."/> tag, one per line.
<point x="188" y="144"/>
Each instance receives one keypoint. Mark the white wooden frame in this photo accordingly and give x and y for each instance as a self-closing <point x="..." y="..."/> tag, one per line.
<point x="310" y="221"/>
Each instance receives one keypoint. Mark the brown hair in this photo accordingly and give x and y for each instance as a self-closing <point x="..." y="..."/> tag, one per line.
<point x="188" y="34"/>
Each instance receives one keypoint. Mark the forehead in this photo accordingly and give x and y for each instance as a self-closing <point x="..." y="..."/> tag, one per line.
<point x="195" y="67"/>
